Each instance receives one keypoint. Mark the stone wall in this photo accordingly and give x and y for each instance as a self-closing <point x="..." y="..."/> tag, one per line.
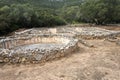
<point x="78" y="32"/>
<point x="25" y="46"/>
<point x="8" y="53"/>
<point x="31" y="39"/>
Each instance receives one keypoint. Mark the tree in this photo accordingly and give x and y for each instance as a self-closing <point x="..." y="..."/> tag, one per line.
<point x="4" y="20"/>
<point x="70" y="14"/>
<point x="100" y="11"/>
<point x="26" y="16"/>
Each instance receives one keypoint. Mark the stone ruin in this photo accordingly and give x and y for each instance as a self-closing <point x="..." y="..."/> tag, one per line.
<point x="36" y="48"/>
<point x="43" y="44"/>
<point x="81" y="32"/>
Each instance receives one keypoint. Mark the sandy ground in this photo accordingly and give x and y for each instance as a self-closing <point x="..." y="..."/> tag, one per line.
<point x="99" y="63"/>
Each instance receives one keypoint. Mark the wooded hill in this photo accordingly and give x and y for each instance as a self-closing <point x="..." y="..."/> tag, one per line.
<point x="15" y="14"/>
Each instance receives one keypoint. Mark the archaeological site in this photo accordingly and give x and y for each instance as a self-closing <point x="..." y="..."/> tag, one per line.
<point x="43" y="44"/>
<point x="61" y="53"/>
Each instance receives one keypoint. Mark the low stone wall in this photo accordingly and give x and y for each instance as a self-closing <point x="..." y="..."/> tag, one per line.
<point x="78" y="32"/>
<point x="10" y="48"/>
<point x="9" y="43"/>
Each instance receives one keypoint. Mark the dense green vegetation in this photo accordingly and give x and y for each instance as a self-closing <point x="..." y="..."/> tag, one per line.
<point x="15" y="14"/>
<point x="101" y="11"/>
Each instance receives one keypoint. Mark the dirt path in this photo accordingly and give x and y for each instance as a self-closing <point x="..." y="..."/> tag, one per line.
<point x="99" y="63"/>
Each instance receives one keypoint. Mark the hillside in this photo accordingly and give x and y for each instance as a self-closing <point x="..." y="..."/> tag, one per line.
<point x="15" y="14"/>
